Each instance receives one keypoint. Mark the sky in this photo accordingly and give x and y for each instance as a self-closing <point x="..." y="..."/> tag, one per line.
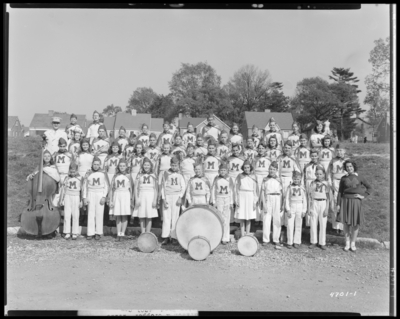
<point x="81" y="60"/>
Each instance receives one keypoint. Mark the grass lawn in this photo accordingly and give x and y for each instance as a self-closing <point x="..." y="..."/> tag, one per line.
<point x="23" y="157"/>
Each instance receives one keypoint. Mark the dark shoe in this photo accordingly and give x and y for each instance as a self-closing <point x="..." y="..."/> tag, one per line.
<point x="312" y="246"/>
<point x="175" y="242"/>
<point x="323" y="247"/>
<point x="224" y="242"/>
<point x="97" y="237"/>
<point x="89" y="237"/>
<point x="289" y="246"/>
<point x="165" y="241"/>
<point x="340" y="232"/>
<point x="296" y="246"/>
<point x="265" y="244"/>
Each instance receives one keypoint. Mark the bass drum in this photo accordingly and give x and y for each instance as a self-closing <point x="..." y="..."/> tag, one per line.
<point x="199" y="248"/>
<point x="200" y="220"/>
<point x="147" y="242"/>
<point x="248" y="245"/>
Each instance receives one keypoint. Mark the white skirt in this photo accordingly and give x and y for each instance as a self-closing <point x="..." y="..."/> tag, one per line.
<point x="245" y="209"/>
<point x="122" y="204"/>
<point x="146" y="201"/>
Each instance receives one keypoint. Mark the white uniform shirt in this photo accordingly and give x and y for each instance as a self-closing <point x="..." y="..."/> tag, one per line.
<point x="235" y="166"/>
<point x="172" y="183"/>
<point x="261" y="165"/>
<point x="189" y="138"/>
<point x="187" y="166"/>
<point x="302" y="154"/>
<point x="110" y="165"/>
<point x="210" y="164"/>
<point x="316" y="140"/>
<point x="223" y="150"/>
<point x="84" y="162"/>
<point x="250" y="154"/>
<point x="92" y="131"/>
<point x="52" y="137"/>
<point x="223" y="187"/>
<point x="287" y="165"/>
<point x="62" y="162"/>
<point x="271" y="185"/>
<point x="96" y="181"/>
<point x="273" y="154"/>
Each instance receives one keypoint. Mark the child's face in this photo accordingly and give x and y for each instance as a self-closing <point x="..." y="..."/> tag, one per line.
<point x="200" y="141"/>
<point x="295" y="128"/>
<point x="146" y="167"/>
<point x="236" y="151"/>
<point x="96" y="165"/>
<point x="223" y="171"/>
<point x="122" y="167"/>
<point x="272" y="170"/>
<point x="132" y="141"/>
<point x="261" y="150"/>
<point x="250" y="143"/>
<point x="287" y="150"/>
<point x="166" y="127"/>
<point x="152" y="141"/>
<point x="115" y="149"/>
<point x="96" y="116"/>
<point x="272" y="142"/>
<point x="190" y="128"/>
<point x="72" y="171"/>
<point x="327" y="142"/>
<point x="246" y="169"/>
<point x="235" y="129"/>
<point x="189" y="150"/>
<point x="340" y="153"/>
<point x="63" y="147"/>
<point x="296" y="180"/>
<point x="178" y="140"/>
<point x="211" y="149"/>
<point x="314" y="157"/>
<point x="272" y="126"/>
<point x="303" y="142"/>
<point x="122" y="133"/>
<point x="77" y="136"/>
<point x="319" y="174"/>
<point x="73" y="120"/>
<point x="198" y="170"/>
<point x="224" y="138"/>
<point x="166" y="148"/>
<point x="85" y="146"/>
<point x="46" y="158"/>
<point x="139" y="149"/>
<point x="102" y="133"/>
<point x="319" y="127"/>
<point x="145" y="129"/>
<point x="255" y="130"/>
<point x="174" y="167"/>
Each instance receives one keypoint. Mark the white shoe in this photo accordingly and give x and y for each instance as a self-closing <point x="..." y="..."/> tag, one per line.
<point x="353" y="246"/>
<point x="67" y="236"/>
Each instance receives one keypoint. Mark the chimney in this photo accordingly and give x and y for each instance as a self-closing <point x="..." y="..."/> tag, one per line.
<point x="51" y="113"/>
<point x="133" y="112"/>
<point x="267" y="111"/>
<point x="180" y="115"/>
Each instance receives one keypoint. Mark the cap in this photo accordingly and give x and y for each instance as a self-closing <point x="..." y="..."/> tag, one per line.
<point x="211" y="116"/>
<point x="96" y="159"/>
<point x="274" y="164"/>
<point x="61" y="141"/>
<point x="122" y="160"/>
<point x="339" y="147"/>
<point x="296" y="174"/>
<point x="166" y="123"/>
<point x="174" y="160"/>
<point x="73" y="115"/>
<point x="289" y="143"/>
<point x="102" y="127"/>
<point x="199" y="135"/>
<point x="114" y="143"/>
<point x="73" y="166"/>
<point x="223" y="165"/>
<point x="302" y="135"/>
<point x="327" y="137"/>
<point x="189" y="145"/>
<point x="46" y="151"/>
<point x="96" y="112"/>
<point x="85" y="140"/>
<point x="235" y="124"/>
<point x="314" y="150"/>
<point x="152" y="135"/>
<point x="254" y="126"/>
<point x="189" y="124"/>
<point x="56" y="119"/>
<point x="271" y="120"/>
<point x="320" y="167"/>
<point x="122" y="128"/>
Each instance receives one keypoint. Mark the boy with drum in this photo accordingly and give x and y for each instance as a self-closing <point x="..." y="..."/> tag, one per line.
<point x="172" y="190"/>
<point x="222" y="197"/>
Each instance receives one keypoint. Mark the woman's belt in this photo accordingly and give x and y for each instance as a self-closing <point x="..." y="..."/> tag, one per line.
<point x="349" y="195"/>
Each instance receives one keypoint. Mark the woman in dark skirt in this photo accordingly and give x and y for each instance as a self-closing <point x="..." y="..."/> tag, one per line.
<point x="349" y="200"/>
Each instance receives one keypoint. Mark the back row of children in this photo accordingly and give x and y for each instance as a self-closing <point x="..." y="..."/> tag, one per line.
<point x="140" y="168"/>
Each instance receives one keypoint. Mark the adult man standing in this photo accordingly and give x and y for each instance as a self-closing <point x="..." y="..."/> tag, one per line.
<point x="52" y="136"/>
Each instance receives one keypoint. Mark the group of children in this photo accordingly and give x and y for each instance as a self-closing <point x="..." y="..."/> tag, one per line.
<point x="145" y="176"/>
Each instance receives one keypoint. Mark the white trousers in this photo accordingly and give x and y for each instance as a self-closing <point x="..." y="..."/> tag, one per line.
<point x="71" y="209"/>
<point x="95" y="213"/>
<point x="307" y="186"/>
<point x="286" y="181"/>
<point x="223" y="206"/>
<point x="272" y="212"/>
<point x="317" y="211"/>
<point x="295" y="223"/>
<point x="335" y="187"/>
<point x="170" y="216"/>
<point x="199" y="200"/>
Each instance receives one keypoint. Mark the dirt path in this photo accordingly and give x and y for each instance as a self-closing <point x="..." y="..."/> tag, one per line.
<point x="59" y="274"/>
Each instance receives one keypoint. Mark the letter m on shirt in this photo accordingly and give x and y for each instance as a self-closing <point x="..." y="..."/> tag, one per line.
<point x="72" y="184"/>
<point x="319" y="187"/>
<point x="174" y="181"/>
<point x="223" y="188"/>
<point x="61" y="159"/>
<point x="114" y="163"/>
<point x="286" y="164"/>
<point x="235" y="166"/>
<point x="210" y="165"/>
<point x="296" y="191"/>
<point x="303" y="154"/>
<point x="146" y="179"/>
<point x="198" y="186"/>
<point x="96" y="181"/>
<point x="120" y="183"/>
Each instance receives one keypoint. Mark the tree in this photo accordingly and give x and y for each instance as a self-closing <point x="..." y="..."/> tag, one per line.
<point x="111" y="110"/>
<point x="377" y="83"/>
<point x="275" y="101"/>
<point x="196" y="90"/>
<point x="342" y="75"/>
<point x="164" y="107"/>
<point x="140" y="100"/>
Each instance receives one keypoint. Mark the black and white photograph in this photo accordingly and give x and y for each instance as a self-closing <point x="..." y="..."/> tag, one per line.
<point x="171" y="161"/>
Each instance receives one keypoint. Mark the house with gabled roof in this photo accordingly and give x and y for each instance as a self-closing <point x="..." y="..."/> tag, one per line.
<point x="15" y="128"/>
<point x="366" y="128"/>
<point x="284" y="121"/>
<point x="41" y="122"/>
<point x="198" y="123"/>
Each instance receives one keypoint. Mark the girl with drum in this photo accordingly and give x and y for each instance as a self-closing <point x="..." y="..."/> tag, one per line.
<point x="100" y="145"/>
<point x="222" y="197"/>
<point x="250" y="152"/>
<point x="246" y="198"/>
<point x="200" y="151"/>
<point x="189" y="137"/>
<point x="122" y="140"/>
<point x="271" y="197"/>
<point x="121" y="197"/>
<point x="327" y="152"/>
<point x="295" y="136"/>
<point x="273" y="150"/>
<point x="136" y="159"/>
<point x="153" y="152"/>
<point x="261" y="170"/>
<point x="224" y="147"/>
<point x="146" y="194"/>
<point x="198" y="189"/>
<point x="144" y="135"/>
<point x="350" y="196"/>
<point x="172" y="190"/>
<point x="317" y="135"/>
<point x="211" y="163"/>
<point x="130" y="148"/>
<point x="236" y="137"/>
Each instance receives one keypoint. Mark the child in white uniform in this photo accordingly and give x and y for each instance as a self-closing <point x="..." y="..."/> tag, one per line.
<point x="130" y="148"/>
<point x="271" y="198"/>
<point x="200" y="151"/>
<point x="273" y="149"/>
<point x="144" y="136"/>
<point x="146" y="193"/>
<point x="295" y="136"/>
<point x="302" y="153"/>
<point x="84" y="159"/>
<point x="317" y="135"/>
<point x="326" y="153"/>
<point x="198" y="188"/>
<point x="246" y="197"/>
<point x="172" y="190"/>
<point x="93" y="129"/>
<point x="224" y="147"/>
<point x="121" y="197"/>
<point x="135" y="160"/>
<point x="100" y="145"/>
<point x="153" y="152"/>
<point x="211" y="163"/>
<point x="236" y="137"/>
<point x="261" y="170"/>
<point x="273" y="132"/>
<point x="296" y="208"/>
<point x="122" y="140"/>
<point x="250" y="152"/>
<point x="189" y="137"/>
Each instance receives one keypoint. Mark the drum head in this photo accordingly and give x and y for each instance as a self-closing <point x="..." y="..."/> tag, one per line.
<point x="248" y="245"/>
<point x="199" y="248"/>
<point x="202" y="221"/>
<point x="147" y="242"/>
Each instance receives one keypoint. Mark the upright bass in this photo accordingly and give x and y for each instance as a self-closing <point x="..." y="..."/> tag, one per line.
<point x="41" y="217"/>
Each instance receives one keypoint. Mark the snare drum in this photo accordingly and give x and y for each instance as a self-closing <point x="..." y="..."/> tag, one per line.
<point x="200" y="220"/>
<point x="199" y="248"/>
<point x="147" y="242"/>
<point x="248" y="245"/>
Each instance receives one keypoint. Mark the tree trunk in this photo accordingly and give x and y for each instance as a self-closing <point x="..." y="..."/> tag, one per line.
<point x="341" y="127"/>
